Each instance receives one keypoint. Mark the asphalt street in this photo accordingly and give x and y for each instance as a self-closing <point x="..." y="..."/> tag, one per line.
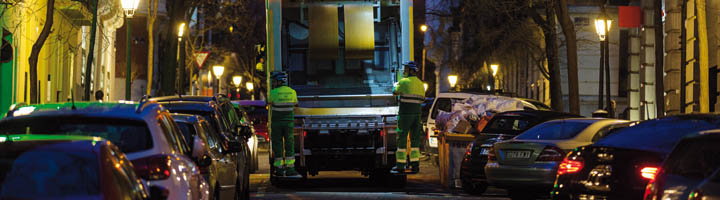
<point x="352" y="185"/>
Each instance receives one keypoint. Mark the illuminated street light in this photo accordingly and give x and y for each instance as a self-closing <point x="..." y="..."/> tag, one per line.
<point x="426" y="86"/>
<point x="181" y="31"/>
<point x="494" y="68"/>
<point x="453" y="80"/>
<point x="249" y="86"/>
<point x="423" y="28"/>
<point x="237" y="80"/>
<point x="130" y="6"/>
<point x="218" y="71"/>
<point x="602" y="27"/>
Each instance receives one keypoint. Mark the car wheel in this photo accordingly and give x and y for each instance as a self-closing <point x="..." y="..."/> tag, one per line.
<point x="473" y="188"/>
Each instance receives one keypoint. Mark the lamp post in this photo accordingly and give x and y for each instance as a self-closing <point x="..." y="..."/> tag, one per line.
<point x="424" y="29"/>
<point x="494" y="68"/>
<point x="250" y="86"/>
<point x="452" y="79"/>
<point x="602" y="27"/>
<point x="181" y="60"/>
<point x="218" y="71"/>
<point x="129" y="6"/>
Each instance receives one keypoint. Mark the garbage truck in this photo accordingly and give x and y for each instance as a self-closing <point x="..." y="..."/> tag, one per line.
<point x="343" y="59"/>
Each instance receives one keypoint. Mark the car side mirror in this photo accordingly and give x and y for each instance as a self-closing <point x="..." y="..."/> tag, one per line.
<point x="235" y="146"/>
<point x="204" y="161"/>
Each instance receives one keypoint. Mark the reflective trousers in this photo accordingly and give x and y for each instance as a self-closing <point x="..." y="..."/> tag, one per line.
<point x="283" y="143"/>
<point x="408" y="123"/>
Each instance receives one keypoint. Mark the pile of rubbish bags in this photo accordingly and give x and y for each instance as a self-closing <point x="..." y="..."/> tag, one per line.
<point x="466" y="115"/>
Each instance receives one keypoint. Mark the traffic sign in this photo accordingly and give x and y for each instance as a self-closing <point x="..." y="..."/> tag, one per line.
<point x="200" y="58"/>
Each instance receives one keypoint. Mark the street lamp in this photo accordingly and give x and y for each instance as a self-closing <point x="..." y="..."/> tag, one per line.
<point x="218" y="71"/>
<point x="250" y="87"/>
<point x="181" y="59"/>
<point x="602" y="27"/>
<point x="425" y="85"/>
<point x="237" y="79"/>
<point x="423" y="28"/>
<point x="494" y="68"/>
<point x="129" y="6"/>
<point x="453" y="80"/>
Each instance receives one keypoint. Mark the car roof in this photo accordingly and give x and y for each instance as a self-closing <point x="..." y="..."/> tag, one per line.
<point x="249" y="102"/>
<point x="123" y="110"/>
<point x="186" y="118"/>
<point x="538" y="113"/>
<point x="183" y="98"/>
<point x="21" y="142"/>
<point x="188" y="105"/>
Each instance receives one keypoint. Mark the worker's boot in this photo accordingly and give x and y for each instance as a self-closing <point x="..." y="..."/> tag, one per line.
<point x="398" y="169"/>
<point x="414" y="167"/>
<point x="279" y="172"/>
<point x="290" y="171"/>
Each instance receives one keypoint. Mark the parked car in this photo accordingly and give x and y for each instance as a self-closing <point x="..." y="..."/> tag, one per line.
<point x="694" y="160"/>
<point x="209" y="110"/>
<point x="253" y="113"/>
<point x="66" y="167"/>
<point x="145" y="132"/>
<point x="526" y="165"/>
<point x="618" y="166"/>
<point x="501" y="127"/>
<point x="220" y="167"/>
<point x="445" y="101"/>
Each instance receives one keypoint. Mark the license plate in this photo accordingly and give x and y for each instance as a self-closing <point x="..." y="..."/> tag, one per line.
<point x="484" y="151"/>
<point x="518" y="154"/>
<point x="433" y="142"/>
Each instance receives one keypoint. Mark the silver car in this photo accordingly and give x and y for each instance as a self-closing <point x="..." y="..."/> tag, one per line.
<point x="530" y="160"/>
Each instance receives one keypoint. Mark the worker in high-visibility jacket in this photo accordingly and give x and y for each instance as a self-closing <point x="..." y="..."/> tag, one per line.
<point x="411" y="93"/>
<point x="282" y="101"/>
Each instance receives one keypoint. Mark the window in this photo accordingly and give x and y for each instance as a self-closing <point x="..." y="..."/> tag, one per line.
<point x="608" y="130"/>
<point x="696" y="159"/>
<point x="48" y="171"/>
<point x="168" y="133"/>
<point x="130" y="135"/>
<point x="443" y="104"/>
<point x="187" y="130"/>
<point x="581" y="21"/>
<point x="555" y="130"/>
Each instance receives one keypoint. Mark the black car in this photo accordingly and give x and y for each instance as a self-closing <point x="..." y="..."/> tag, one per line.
<point x="620" y="165"/>
<point x="211" y="112"/>
<point x="501" y="127"/>
<point x="693" y="160"/>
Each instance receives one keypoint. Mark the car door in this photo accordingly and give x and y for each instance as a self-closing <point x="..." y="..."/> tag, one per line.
<point x="226" y="164"/>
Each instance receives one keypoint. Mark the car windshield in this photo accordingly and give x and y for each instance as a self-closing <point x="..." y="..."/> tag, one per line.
<point x="131" y="136"/>
<point x="40" y="172"/>
<point x="657" y="135"/>
<point x="695" y="158"/>
<point x="508" y="125"/>
<point x="554" y="130"/>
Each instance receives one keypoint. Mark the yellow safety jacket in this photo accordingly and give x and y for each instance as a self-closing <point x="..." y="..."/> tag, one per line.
<point x="412" y="94"/>
<point x="282" y="100"/>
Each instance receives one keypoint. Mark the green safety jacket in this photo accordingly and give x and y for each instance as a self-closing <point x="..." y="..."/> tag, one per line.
<point x="282" y="100"/>
<point x="412" y="94"/>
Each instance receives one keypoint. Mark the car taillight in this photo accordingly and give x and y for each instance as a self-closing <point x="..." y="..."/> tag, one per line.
<point x="649" y="172"/>
<point x="491" y="154"/>
<point x="153" y="167"/>
<point x="551" y="153"/>
<point x="468" y="149"/>
<point x="568" y="166"/>
<point x="304" y="133"/>
<point x="382" y="132"/>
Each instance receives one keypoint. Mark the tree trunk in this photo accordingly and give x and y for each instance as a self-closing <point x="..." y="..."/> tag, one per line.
<point x="35" y="52"/>
<point x="152" y="15"/>
<point x="551" y="49"/>
<point x="569" y="31"/>
<point x="91" y="52"/>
